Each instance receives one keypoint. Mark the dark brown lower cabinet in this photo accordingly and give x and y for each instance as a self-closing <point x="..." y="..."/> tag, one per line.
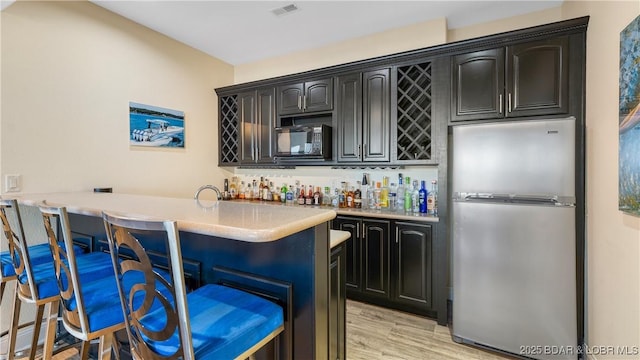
<point x="337" y="304"/>
<point x="389" y="263"/>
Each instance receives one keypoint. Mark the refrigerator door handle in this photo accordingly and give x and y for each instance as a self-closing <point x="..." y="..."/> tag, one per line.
<point x="510" y="198"/>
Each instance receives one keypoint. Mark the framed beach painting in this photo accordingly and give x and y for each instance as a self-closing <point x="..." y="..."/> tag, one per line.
<point x="154" y="126"/>
<point x="629" y="119"/>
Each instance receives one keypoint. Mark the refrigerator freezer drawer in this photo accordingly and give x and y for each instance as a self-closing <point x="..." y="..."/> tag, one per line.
<point x="514" y="276"/>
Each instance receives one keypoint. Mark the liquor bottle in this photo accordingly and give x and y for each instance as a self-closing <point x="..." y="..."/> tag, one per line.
<point x="233" y="188"/>
<point x="326" y="198"/>
<point x="248" y="194"/>
<point x="400" y="194"/>
<point x="335" y="199"/>
<point x="365" y="191"/>
<point x="225" y="190"/>
<point x="393" y="196"/>
<point x="342" y="196"/>
<point x="241" y="191"/>
<point x="275" y="195"/>
<point x="408" y="205"/>
<point x="317" y="197"/>
<point x="283" y="193"/>
<point x="256" y="191"/>
<point x="301" y="198"/>
<point x="415" y="198"/>
<point x="377" y="194"/>
<point x="384" y="193"/>
<point x="432" y="199"/>
<point x="422" y="197"/>
<point x="261" y="193"/>
<point x="308" y="200"/>
<point x="289" y="200"/>
<point x="357" y="197"/>
<point x="270" y="191"/>
<point x="350" y="196"/>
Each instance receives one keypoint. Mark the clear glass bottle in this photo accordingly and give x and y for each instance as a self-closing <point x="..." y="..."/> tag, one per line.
<point x="415" y="198"/>
<point x="422" y="197"/>
<point x="432" y="199"/>
<point x="393" y="199"/>
<point x="289" y="197"/>
<point x="326" y="197"/>
<point x="233" y="188"/>
<point x="350" y="195"/>
<point x="365" y="190"/>
<point x="377" y="196"/>
<point x="400" y="195"/>
<point x="241" y="191"/>
<point x="283" y="193"/>
<point x="248" y="194"/>
<point x="335" y="199"/>
<point x="256" y="191"/>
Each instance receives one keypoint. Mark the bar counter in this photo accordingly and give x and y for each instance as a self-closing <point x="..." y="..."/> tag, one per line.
<point x="281" y="253"/>
<point x="246" y="221"/>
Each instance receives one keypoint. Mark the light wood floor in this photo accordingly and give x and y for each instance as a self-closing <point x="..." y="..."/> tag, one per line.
<point x="376" y="333"/>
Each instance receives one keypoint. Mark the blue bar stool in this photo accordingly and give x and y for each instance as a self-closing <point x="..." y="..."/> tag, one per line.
<point x="164" y="322"/>
<point x="15" y="262"/>
<point x="88" y="292"/>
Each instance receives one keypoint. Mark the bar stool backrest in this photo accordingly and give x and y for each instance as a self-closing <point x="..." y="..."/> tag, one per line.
<point x="156" y="294"/>
<point x="18" y="248"/>
<point x="66" y="269"/>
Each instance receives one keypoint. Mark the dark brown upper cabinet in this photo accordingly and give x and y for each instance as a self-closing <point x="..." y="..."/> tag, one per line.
<point x="363" y="116"/>
<point x="256" y="114"/>
<point x="306" y="97"/>
<point x="526" y="79"/>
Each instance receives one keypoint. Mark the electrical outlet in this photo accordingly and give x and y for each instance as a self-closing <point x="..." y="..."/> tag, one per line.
<point x="13" y="183"/>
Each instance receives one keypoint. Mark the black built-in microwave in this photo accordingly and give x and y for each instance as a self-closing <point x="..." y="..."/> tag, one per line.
<point x="309" y="142"/>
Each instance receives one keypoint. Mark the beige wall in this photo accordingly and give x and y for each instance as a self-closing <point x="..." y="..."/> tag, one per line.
<point x="613" y="244"/>
<point x="69" y="70"/>
<point x="389" y="42"/>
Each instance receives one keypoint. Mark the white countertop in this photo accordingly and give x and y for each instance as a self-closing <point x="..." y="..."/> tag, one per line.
<point x="337" y="237"/>
<point x="253" y="222"/>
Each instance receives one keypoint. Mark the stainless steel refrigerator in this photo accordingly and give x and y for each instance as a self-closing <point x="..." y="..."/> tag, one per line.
<point x="513" y="237"/>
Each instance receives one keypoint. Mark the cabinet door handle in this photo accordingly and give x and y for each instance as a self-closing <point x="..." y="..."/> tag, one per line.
<point x="357" y="231"/>
<point x="397" y="234"/>
<point x="299" y="102"/>
<point x="509" y="101"/>
<point x="359" y="150"/>
<point x="500" y="104"/>
<point x="364" y="234"/>
<point x="304" y="102"/>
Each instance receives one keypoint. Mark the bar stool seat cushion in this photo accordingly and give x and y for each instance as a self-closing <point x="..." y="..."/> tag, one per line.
<point x="102" y="301"/>
<point x="39" y="254"/>
<point x="91" y="266"/>
<point x="225" y="322"/>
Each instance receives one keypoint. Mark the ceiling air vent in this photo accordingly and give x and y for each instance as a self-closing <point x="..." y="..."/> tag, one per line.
<point x="285" y="9"/>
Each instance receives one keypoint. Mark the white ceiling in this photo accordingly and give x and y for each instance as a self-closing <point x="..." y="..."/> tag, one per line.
<point x="240" y="32"/>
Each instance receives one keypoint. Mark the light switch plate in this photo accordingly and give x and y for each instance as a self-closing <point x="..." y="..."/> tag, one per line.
<point x="13" y="183"/>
